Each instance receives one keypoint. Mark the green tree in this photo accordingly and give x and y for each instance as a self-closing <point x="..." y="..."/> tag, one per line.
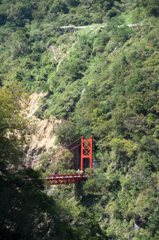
<point x="26" y="212"/>
<point x="152" y="6"/>
<point x="13" y="125"/>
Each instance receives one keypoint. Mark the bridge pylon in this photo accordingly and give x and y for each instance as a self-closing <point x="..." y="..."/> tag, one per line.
<point x="86" y="150"/>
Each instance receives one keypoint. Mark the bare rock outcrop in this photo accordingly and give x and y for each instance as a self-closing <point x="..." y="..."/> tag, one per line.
<point x="43" y="138"/>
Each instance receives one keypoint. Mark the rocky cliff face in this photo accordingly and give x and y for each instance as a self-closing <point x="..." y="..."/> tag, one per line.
<point x="43" y="138"/>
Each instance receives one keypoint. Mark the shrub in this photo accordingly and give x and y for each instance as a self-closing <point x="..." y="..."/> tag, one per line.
<point x="66" y="132"/>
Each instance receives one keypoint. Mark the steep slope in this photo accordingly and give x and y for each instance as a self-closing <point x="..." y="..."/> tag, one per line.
<point x="43" y="139"/>
<point x="101" y="82"/>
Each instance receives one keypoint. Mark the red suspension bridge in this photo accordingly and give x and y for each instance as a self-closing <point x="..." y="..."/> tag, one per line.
<point x="67" y="165"/>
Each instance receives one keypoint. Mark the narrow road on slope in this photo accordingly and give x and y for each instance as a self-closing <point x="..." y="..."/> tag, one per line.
<point x="82" y="27"/>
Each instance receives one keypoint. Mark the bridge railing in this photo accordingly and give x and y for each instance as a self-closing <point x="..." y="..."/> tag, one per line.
<point x="61" y="161"/>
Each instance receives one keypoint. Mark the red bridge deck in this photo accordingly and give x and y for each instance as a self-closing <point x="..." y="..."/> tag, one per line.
<point x="65" y="178"/>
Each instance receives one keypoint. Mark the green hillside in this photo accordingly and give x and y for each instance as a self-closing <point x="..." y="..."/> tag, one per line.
<point x="103" y="80"/>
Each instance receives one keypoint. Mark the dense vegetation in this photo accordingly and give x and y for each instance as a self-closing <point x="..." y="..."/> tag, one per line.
<point x="106" y="86"/>
<point x="26" y="211"/>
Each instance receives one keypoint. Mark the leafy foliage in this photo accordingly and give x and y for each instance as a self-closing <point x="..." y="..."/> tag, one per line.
<point x="12" y="123"/>
<point x="105" y="86"/>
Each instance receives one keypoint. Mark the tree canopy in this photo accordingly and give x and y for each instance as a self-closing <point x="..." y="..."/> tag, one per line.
<point x="102" y="81"/>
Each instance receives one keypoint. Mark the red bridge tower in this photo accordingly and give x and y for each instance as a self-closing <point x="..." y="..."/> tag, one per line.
<point x="86" y="150"/>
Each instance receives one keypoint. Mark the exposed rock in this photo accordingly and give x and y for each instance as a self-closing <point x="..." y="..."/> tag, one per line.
<point x="43" y="139"/>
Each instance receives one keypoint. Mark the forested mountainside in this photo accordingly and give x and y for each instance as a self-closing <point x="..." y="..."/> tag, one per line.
<point x="102" y="80"/>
